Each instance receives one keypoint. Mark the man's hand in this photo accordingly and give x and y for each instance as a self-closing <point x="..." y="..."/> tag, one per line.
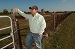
<point x="15" y="10"/>
<point x="38" y="35"/>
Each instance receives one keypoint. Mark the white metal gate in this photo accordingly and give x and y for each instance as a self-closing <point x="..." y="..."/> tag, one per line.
<point x="11" y="34"/>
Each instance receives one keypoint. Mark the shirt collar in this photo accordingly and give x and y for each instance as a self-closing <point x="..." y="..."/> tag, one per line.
<point x="36" y="14"/>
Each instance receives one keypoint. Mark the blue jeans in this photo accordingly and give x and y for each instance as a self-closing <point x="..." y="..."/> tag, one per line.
<point x="31" y="37"/>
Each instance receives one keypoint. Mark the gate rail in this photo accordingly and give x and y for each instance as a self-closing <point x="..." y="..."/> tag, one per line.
<point x="11" y="34"/>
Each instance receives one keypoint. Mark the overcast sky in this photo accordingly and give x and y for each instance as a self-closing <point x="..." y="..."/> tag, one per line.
<point x="48" y="5"/>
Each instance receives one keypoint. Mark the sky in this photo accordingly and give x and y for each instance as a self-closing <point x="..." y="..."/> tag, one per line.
<point x="47" y="5"/>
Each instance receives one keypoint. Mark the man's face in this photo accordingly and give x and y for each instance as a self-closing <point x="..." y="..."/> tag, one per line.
<point x="33" y="11"/>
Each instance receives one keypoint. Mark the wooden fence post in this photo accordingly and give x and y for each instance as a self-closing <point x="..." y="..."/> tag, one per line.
<point x="16" y="32"/>
<point x="19" y="36"/>
<point x="54" y="21"/>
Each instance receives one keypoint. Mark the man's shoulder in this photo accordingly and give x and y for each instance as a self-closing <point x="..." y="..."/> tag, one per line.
<point x="40" y="15"/>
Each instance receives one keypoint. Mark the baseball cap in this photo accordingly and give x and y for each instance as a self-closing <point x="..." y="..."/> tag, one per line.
<point x="33" y="7"/>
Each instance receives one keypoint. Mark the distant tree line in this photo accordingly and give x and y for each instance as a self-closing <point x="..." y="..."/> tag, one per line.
<point x="5" y="12"/>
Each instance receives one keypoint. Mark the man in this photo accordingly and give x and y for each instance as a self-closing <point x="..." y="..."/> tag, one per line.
<point x="37" y="25"/>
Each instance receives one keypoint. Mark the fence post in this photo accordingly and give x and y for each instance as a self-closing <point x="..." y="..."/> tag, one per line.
<point x="54" y="21"/>
<point x="19" y="36"/>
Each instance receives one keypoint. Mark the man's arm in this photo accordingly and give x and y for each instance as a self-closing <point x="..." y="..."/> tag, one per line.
<point x="16" y="10"/>
<point x="29" y="16"/>
<point x="42" y="26"/>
